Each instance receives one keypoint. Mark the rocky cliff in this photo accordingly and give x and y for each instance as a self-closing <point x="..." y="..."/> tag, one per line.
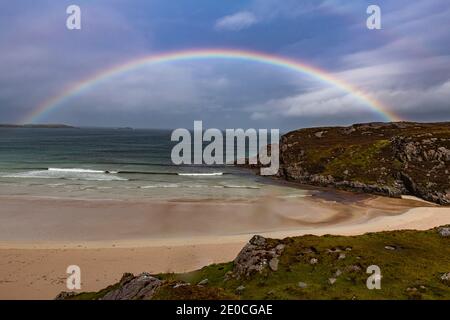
<point x="382" y="158"/>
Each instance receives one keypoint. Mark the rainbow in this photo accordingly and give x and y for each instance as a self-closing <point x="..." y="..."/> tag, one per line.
<point x="243" y="55"/>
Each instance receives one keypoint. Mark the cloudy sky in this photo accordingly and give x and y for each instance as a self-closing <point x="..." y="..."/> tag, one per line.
<point x="406" y="65"/>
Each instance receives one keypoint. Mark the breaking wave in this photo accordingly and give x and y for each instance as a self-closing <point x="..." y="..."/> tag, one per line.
<point x="201" y="174"/>
<point x="69" y="174"/>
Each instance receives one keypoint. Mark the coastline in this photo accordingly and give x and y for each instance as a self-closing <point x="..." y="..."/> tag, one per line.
<point x="36" y="269"/>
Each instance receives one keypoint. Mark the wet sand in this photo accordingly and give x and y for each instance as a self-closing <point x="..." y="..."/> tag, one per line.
<point x="39" y="220"/>
<point x="40" y="237"/>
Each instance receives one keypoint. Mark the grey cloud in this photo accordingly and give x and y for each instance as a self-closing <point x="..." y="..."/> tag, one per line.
<point x="40" y="57"/>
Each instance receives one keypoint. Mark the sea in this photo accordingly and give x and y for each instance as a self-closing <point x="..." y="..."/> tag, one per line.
<point x="99" y="163"/>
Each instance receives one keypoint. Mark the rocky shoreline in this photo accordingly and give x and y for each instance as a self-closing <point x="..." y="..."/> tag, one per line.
<point x="390" y="159"/>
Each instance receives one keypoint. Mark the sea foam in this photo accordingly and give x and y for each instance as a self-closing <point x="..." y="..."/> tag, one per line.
<point x="69" y="174"/>
<point x="201" y="174"/>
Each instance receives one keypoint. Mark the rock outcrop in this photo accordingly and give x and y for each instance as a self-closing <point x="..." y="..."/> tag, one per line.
<point x="390" y="159"/>
<point x="257" y="255"/>
<point x="141" y="287"/>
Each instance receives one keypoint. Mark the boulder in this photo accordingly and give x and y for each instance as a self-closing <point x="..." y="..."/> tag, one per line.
<point x="204" y="282"/>
<point x="240" y="289"/>
<point x="256" y="255"/>
<point x="130" y="287"/>
<point x="273" y="264"/>
<point x="444" y="232"/>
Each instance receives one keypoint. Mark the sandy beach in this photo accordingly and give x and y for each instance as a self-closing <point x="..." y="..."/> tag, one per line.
<point x="40" y="237"/>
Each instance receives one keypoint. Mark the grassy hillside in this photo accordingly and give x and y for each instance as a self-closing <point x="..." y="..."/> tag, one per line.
<point x="414" y="265"/>
<point x="383" y="158"/>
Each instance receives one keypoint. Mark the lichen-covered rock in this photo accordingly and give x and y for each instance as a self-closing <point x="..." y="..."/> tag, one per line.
<point x="256" y="255"/>
<point x="258" y="241"/>
<point x="273" y="264"/>
<point x="444" y="232"/>
<point x="133" y="287"/>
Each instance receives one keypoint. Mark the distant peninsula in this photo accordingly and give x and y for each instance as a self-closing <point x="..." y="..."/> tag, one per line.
<point x="37" y="126"/>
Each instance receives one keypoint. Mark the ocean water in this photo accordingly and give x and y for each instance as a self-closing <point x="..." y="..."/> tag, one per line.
<point x="116" y="164"/>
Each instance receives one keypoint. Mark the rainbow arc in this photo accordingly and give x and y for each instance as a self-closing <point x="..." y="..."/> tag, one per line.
<point x="230" y="54"/>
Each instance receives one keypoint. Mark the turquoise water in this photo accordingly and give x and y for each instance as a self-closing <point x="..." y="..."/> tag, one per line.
<point x="115" y="163"/>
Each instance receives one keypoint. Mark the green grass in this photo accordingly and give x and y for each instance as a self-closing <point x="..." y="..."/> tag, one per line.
<point x="168" y="292"/>
<point x="94" y="295"/>
<point x="362" y="162"/>
<point x="419" y="260"/>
